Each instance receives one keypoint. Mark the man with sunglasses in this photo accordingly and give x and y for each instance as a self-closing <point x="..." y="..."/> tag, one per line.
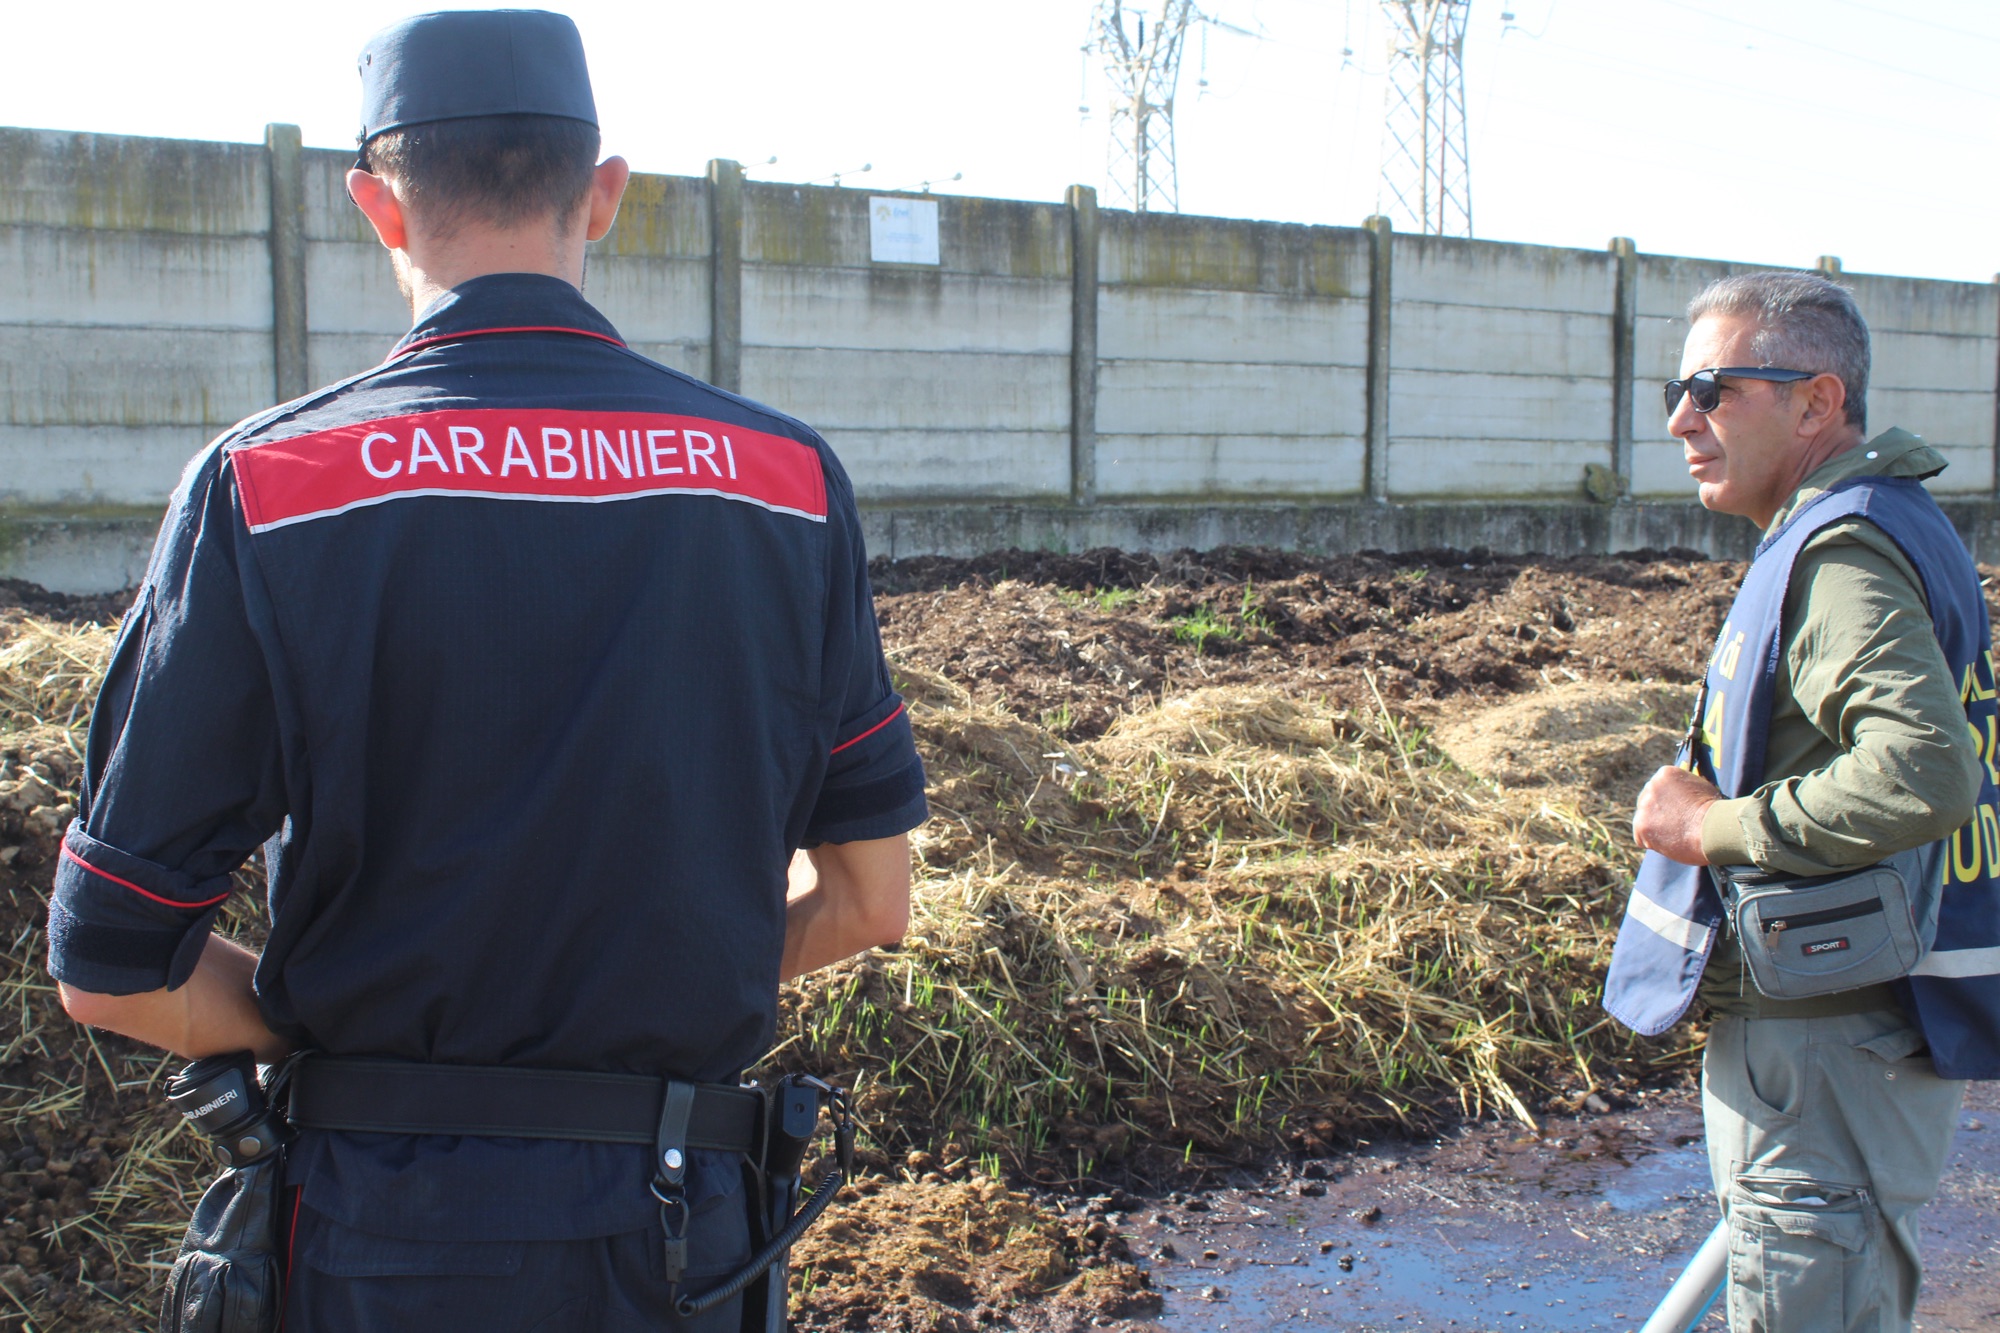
<point x="1848" y="714"/>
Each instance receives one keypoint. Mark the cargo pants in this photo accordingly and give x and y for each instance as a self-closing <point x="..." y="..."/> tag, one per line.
<point x="1825" y="1137"/>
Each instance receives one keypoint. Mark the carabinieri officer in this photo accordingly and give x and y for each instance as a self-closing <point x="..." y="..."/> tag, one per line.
<point x="530" y="662"/>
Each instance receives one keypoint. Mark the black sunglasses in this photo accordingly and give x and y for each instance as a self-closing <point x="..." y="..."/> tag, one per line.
<point x="1704" y="389"/>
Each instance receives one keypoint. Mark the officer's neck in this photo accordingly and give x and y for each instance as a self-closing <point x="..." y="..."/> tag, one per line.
<point x="427" y="268"/>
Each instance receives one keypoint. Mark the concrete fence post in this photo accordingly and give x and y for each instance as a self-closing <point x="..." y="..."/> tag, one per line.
<point x="1624" y="334"/>
<point x="1829" y="265"/>
<point x="1082" y="201"/>
<point x="285" y="155"/>
<point x="1381" y="253"/>
<point x="1996" y="415"/>
<point x="725" y="274"/>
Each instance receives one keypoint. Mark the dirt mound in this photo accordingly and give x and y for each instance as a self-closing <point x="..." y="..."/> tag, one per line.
<point x="73" y="1160"/>
<point x="102" y="608"/>
<point x="1599" y="739"/>
<point x="49" y="670"/>
<point x="1241" y="917"/>
<point x="1072" y="642"/>
<point x="954" y="1256"/>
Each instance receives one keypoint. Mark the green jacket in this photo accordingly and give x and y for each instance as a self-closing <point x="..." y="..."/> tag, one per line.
<point x="1868" y="748"/>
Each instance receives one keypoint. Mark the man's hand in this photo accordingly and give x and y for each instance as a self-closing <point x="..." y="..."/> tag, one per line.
<point x="1668" y="817"/>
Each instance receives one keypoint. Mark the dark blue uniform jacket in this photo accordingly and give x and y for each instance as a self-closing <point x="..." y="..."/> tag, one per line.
<point x="529" y="661"/>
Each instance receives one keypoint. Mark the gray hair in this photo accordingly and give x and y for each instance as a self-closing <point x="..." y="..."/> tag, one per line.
<point x="1804" y="322"/>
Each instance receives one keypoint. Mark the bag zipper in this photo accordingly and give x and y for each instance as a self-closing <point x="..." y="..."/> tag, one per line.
<point x="1825" y="916"/>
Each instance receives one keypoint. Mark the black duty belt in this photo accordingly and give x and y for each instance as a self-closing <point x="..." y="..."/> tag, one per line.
<point x="404" y="1097"/>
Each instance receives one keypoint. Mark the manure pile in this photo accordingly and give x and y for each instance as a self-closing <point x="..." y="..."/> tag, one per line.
<point x="1230" y="854"/>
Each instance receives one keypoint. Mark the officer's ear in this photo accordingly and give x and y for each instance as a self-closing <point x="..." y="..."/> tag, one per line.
<point x="1821" y="402"/>
<point x="377" y="200"/>
<point x="607" y="188"/>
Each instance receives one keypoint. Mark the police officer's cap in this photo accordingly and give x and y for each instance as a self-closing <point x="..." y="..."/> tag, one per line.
<point x="465" y="63"/>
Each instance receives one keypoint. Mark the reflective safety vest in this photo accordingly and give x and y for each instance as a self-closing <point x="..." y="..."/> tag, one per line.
<point x="1675" y="910"/>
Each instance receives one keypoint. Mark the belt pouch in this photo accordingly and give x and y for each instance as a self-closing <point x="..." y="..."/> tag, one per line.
<point x="227" y="1278"/>
<point x="1818" y="935"/>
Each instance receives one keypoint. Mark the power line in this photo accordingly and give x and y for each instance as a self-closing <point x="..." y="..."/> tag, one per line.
<point x="1679" y="78"/>
<point x="1830" y="50"/>
<point x="1903" y="17"/>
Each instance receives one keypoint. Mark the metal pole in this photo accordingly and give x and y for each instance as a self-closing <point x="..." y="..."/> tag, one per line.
<point x="1697" y="1289"/>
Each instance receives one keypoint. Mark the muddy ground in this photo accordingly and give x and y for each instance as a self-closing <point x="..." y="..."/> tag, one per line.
<point x="1467" y="648"/>
<point x="1488" y="1228"/>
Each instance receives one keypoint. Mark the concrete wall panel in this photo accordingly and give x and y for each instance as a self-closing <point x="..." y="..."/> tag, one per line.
<point x="330" y="214"/>
<point x="1942" y="418"/>
<point x="95" y="465"/>
<point x="834" y="390"/>
<point x="136" y="322"/>
<point x="1666" y="283"/>
<point x="70" y="277"/>
<point x="352" y="289"/>
<point x="1222" y="326"/>
<point x="662" y="217"/>
<point x="649" y="299"/>
<point x="888" y="466"/>
<point x="1656" y="348"/>
<point x="113" y="182"/>
<point x="1649" y="411"/>
<point x="1889" y="304"/>
<point x="1436" y="405"/>
<point x="1243" y="466"/>
<point x="1519" y="277"/>
<point x="1659" y="471"/>
<point x="132" y="377"/>
<point x="1470" y="468"/>
<point x="901" y="309"/>
<point x="1195" y="397"/>
<point x="335" y="356"/>
<point x="1550" y="343"/>
<point x="1923" y="305"/>
<point x="1174" y="250"/>
<point x="817" y="227"/>
<point x="1931" y="361"/>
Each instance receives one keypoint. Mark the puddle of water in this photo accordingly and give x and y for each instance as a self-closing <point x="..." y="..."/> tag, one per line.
<point x="1628" y="1169"/>
<point x="1672" y="1175"/>
<point x="1464" y="1284"/>
<point x="1596" y="1223"/>
<point x="1582" y="1234"/>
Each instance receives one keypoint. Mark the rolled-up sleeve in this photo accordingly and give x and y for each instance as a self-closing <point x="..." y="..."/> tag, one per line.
<point x="183" y="775"/>
<point x="874" y="781"/>
<point x="1867" y="672"/>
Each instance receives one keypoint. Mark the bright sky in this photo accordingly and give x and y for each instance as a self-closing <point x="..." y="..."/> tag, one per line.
<point x="1766" y="130"/>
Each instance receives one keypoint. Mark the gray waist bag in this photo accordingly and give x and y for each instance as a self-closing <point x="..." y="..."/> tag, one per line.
<point x="1804" y="936"/>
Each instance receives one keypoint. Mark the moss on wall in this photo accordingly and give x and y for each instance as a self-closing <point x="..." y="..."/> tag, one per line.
<point x="1176" y="250"/>
<point x="123" y="182"/>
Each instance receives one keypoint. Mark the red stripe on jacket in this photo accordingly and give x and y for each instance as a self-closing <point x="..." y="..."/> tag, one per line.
<point x="69" y="855"/>
<point x="871" y="731"/>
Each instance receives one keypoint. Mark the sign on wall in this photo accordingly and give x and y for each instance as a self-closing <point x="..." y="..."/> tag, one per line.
<point x="902" y="231"/>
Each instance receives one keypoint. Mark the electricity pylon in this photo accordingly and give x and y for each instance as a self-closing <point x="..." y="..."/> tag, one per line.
<point x="1426" y="168"/>
<point x="1143" y="61"/>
